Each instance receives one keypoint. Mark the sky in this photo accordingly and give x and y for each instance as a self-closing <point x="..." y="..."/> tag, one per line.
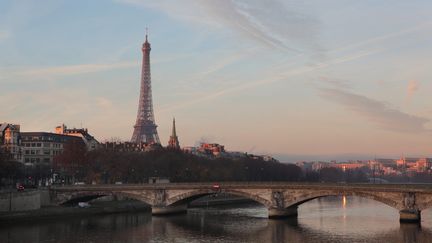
<point x="299" y="80"/>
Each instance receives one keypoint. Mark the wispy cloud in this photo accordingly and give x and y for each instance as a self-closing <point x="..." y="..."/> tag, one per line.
<point x="336" y="82"/>
<point x="56" y="71"/>
<point x="222" y="63"/>
<point x="412" y="88"/>
<point x="278" y="77"/>
<point x="377" y="112"/>
<point x="4" y="35"/>
<point x="76" y="69"/>
<point x="18" y="14"/>
<point x="385" y="37"/>
<point x="48" y="72"/>
<point x="272" y="23"/>
<point x="280" y="74"/>
<point x="103" y="102"/>
<point x="71" y="106"/>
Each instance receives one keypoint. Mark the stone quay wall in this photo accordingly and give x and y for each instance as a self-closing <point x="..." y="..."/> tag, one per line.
<point x="14" y="201"/>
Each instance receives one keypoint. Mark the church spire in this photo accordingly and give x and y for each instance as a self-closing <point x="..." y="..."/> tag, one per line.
<point x="173" y="134"/>
<point x="173" y="142"/>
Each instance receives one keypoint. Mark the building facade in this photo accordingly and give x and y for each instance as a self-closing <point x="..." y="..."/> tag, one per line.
<point x="90" y="142"/>
<point x="43" y="147"/>
<point x="10" y="141"/>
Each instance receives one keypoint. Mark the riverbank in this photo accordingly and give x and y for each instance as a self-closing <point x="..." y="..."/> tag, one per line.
<point x="52" y="212"/>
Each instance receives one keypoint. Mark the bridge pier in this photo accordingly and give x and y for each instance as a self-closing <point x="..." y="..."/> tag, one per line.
<point x="410" y="216"/>
<point x="280" y="213"/>
<point x="167" y="210"/>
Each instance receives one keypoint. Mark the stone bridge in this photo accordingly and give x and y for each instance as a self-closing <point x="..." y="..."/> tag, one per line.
<point x="281" y="199"/>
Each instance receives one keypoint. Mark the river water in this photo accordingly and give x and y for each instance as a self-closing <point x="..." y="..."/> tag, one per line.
<point x="330" y="219"/>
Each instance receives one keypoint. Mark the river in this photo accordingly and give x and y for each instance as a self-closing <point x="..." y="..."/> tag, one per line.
<point x="330" y="219"/>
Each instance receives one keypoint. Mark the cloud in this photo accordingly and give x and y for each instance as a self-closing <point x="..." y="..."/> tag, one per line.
<point x="335" y="82"/>
<point x="413" y="86"/>
<point x="377" y="112"/>
<point x="103" y="102"/>
<point x="222" y="63"/>
<point x="384" y="38"/>
<point x="272" y="23"/>
<point x="58" y="104"/>
<point x="69" y="106"/>
<point x="75" y="69"/>
<point x="56" y="71"/>
<point x="4" y="35"/>
<point x="277" y="77"/>
<point x="47" y="72"/>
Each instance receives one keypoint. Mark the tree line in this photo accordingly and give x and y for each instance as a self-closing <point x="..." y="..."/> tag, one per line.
<point x="108" y="166"/>
<point x="76" y="164"/>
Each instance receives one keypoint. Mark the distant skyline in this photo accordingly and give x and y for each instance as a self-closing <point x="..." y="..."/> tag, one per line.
<point x="294" y="79"/>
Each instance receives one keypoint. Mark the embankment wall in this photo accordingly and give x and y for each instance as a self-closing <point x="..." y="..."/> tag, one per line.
<point x="21" y="201"/>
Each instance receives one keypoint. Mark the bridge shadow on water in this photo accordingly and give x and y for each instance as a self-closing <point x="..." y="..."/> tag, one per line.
<point x="331" y="219"/>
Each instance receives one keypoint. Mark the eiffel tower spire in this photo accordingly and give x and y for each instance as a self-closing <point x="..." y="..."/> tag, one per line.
<point x="145" y="126"/>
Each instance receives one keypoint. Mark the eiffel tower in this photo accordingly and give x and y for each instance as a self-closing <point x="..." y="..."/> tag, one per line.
<point x="145" y="127"/>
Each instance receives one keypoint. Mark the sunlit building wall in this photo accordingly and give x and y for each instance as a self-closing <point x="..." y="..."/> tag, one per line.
<point x="10" y="141"/>
<point x="90" y="142"/>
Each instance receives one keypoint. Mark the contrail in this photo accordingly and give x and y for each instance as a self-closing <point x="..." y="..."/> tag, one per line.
<point x="281" y="77"/>
<point x="384" y="37"/>
<point x="305" y="69"/>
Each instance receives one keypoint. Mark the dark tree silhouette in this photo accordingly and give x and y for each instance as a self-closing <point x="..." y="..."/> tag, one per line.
<point x="331" y="174"/>
<point x="10" y="171"/>
<point x="107" y="166"/>
<point x="72" y="162"/>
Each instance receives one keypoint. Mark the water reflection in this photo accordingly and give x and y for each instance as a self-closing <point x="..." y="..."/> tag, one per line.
<point x="334" y="219"/>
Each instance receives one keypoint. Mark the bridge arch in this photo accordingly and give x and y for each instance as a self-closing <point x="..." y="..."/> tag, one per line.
<point x="297" y="201"/>
<point x="90" y="195"/>
<point x="189" y="196"/>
